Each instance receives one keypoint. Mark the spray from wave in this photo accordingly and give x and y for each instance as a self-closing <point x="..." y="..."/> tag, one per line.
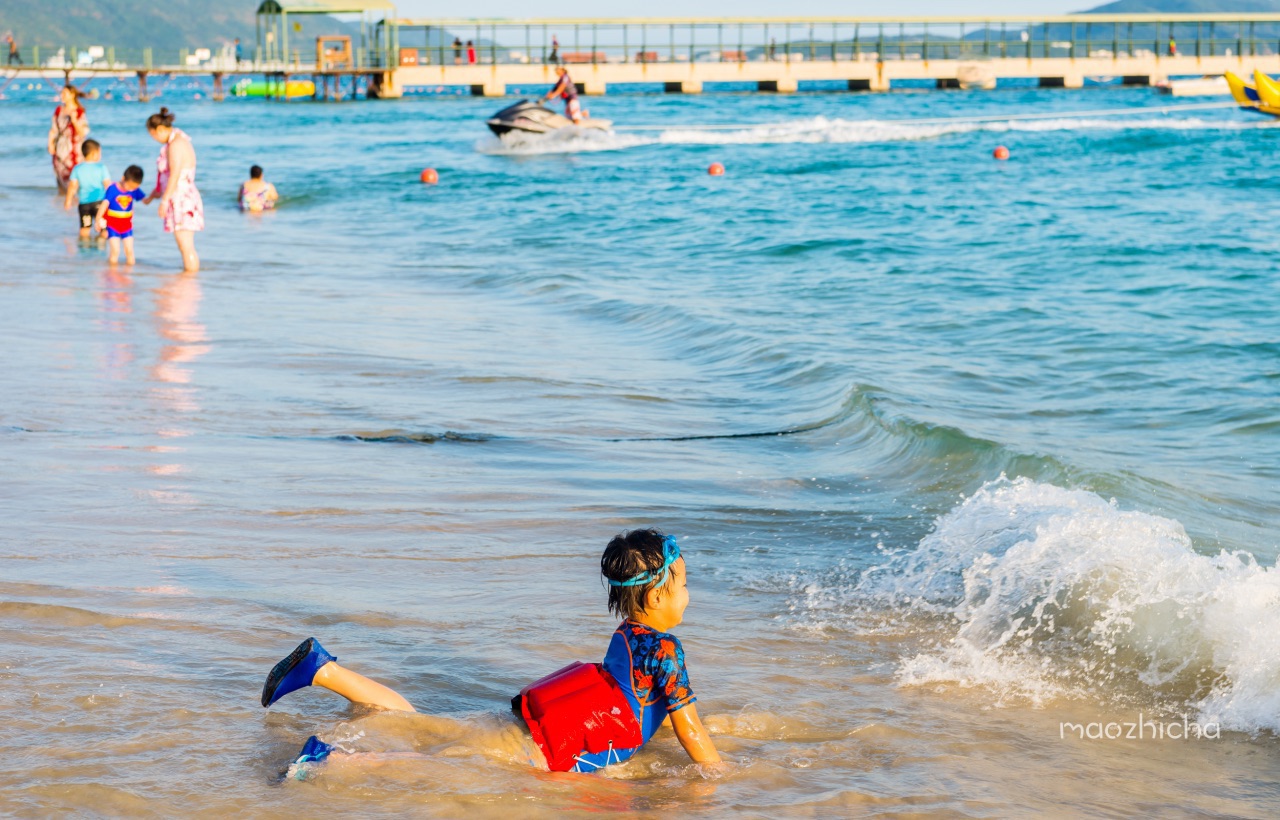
<point x="817" y="130"/>
<point x="1047" y="592"/>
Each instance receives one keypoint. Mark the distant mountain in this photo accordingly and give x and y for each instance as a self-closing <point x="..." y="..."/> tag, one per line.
<point x="1186" y="6"/>
<point x="137" y="24"/>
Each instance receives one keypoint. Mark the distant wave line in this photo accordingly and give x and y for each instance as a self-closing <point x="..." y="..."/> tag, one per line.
<point x="1043" y="115"/>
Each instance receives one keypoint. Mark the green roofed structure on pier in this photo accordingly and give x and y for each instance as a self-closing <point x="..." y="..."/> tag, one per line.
<point x="377" y="27"/>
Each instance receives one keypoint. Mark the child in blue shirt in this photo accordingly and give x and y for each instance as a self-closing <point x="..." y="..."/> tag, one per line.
<point x="644" y="665"/>
<point x="88" y="185"/>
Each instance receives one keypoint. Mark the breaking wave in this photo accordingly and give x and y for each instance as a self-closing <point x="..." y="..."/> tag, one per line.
<point x="1059" y="592"/>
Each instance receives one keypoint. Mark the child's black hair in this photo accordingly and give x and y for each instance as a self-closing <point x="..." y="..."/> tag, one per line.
<point x="89" y="146"/>
<point x="627" y="556"/>
<point x="255" y="172"/>
<point x="133" y="174"/>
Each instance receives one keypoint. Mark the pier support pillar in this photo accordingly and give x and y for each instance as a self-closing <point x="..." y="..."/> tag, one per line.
<point x="218" y="94"/>
<point x="947" y="82"/>
<point x="786" y="85"/>
<point x="593" y="88"/>
<point x="143" y="96"/>
<point x="382" y="86"/>
<point x="489" y="89"/>
<point x="1072" y="80"/>
<point x="869" y="84"/>
<point x="683" y="87"/>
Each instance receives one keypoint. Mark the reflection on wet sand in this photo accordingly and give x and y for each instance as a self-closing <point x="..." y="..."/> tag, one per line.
<point x="184" y="340"/>
<point x="177" y="313"/>
<point x="116" y="292"/>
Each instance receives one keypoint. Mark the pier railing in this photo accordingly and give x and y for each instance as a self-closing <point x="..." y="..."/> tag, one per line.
<point x="774" y="52"/>
<point x="603" y="40"/>
<point x="80" y="57"/>
<point x="676" y="40"/>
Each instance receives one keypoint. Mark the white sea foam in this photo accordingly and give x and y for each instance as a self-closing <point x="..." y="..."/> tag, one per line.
<point x="565" y="141"/>
<point x="823" y="130"/>
<point x="1057" y="591"/>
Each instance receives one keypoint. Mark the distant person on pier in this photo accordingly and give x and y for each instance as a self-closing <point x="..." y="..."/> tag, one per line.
<point x="67" y="133"/>
<point x="554" y="59"/>
<point x="181" y="207"/>
<point x="256" y="194"/>
<point x="14" y="56"/>
<point x="566" y="90"/>
<point x="457" y="51"/>
<point x="1173" y="47"/>
<point x="239" y="53"/>
<point x="471" y="53"/>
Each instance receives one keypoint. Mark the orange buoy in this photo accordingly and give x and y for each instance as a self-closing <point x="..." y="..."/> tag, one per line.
<point x="716" y="170"/>
<point x="1001" y="153"/>
<point x="429" y="176"/>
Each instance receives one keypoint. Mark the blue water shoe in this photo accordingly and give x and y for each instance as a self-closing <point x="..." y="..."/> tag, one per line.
<point x="313" y="751"/>
<point x="296" y="671"/>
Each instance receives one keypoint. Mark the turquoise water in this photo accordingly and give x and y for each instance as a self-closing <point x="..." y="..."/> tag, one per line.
<point x="955" y="448"/>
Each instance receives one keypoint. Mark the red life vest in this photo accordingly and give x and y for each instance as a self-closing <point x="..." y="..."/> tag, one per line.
<point x="578" y="709"/>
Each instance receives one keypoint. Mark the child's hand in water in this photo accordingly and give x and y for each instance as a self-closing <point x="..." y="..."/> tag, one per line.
<point x="693" y="736"/>
<point x="715" y="771"/>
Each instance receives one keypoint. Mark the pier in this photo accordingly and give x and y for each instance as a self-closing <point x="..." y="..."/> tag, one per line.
<point x="685" y="55"/>
<point x="393" y="56"/>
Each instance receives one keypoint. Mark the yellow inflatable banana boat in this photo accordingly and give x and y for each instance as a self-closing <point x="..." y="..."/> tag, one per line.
<point x="1263" y="96"/>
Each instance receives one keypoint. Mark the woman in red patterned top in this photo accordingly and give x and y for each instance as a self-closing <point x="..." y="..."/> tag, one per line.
<point x="68" y="131"/>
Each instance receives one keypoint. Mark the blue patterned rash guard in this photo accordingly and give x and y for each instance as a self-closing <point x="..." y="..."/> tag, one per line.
<point x="649" y="666"/>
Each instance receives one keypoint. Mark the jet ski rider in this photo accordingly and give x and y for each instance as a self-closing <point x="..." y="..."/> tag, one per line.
<point x="566" y="90"/>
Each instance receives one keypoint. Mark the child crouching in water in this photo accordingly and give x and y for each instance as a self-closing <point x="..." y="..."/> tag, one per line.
<point x="585" y="716"/>
<point x="115" y="214"/>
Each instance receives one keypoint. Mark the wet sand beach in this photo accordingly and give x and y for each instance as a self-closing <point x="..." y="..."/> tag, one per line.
<point x="958" y="453"/>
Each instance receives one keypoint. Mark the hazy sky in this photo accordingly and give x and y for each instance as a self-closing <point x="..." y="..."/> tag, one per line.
<point x="727" y="8"/>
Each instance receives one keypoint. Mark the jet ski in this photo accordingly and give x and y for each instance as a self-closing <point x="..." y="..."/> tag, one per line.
<point x="529" y="117"/>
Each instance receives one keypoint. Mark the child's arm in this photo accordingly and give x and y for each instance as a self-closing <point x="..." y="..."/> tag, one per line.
<point x="693" y="735"/>
<point x="72" y="188"/>
<point x="100" y="220"/>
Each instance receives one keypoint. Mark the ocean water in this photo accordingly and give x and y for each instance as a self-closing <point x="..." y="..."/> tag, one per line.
<point x="959" y="452"/>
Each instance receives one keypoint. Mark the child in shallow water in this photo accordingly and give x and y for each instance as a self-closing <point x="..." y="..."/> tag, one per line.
<point x="583" y="717"/>
<point x="115" y="214"/>
<point x="256" y="194"/>
<point x="88" y="185"/>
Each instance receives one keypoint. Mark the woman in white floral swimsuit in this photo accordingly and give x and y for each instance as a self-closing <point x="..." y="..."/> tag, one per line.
<point x="181" y="207"/>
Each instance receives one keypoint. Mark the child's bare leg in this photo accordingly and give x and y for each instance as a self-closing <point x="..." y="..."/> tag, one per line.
<point x="128" y="249"/>
<point x="113" y="252"/>
<point x="311" y="665"/>
<point x="358" y="689"/>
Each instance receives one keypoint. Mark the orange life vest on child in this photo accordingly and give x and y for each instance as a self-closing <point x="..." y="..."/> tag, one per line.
<point x="578" y="709"/>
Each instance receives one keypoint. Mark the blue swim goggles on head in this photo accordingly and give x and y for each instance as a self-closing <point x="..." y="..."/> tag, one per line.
<point x="670" y="554"/>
